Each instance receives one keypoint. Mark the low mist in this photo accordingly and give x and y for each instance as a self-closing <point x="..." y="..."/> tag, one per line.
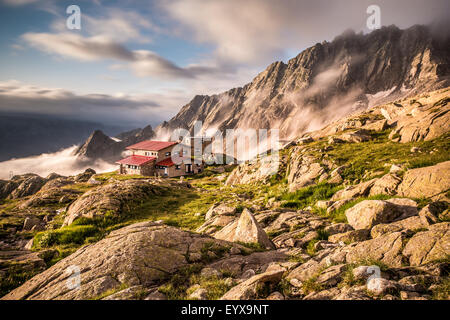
<point x="63" y="162"/>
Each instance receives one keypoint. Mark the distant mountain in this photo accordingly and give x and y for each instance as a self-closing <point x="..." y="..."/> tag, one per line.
<point x="23" y="135"/>
<point x="326" y="82"/>
<point x="101" y="146"/>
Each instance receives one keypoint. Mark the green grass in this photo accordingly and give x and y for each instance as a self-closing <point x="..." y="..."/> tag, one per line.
<point x="254" y="246"/>
<point x="175" y="207"/>
<point x="371" y="156"/>
<point x="114" y="175"/>
<point x="311" y="285"/>
<point x="14" y="275"/>
<point x="339" y="214"/>
<point x="309" y="196"/>
<point x="442" y="291"/>
<point x="74" y="234"/>
<point x="175" y="288"/>
<point x="215" y="286"/>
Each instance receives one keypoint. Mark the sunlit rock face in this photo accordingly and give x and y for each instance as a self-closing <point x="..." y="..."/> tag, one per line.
<point x="325" y="82"/>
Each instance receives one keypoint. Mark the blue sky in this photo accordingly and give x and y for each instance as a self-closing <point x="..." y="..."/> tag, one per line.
<point x="139" y="61"/>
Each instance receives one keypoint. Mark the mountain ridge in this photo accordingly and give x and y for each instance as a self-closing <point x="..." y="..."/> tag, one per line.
<point x="346" y="73"/>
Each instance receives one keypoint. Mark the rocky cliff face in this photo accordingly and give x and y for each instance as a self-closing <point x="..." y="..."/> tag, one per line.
<point x="100" y="146"/>
<point x="325" y="82"/>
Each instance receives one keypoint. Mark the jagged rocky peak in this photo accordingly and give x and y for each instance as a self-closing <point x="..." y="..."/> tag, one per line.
<point x="327" y="81"/>
<point x="101" y="146"/>
<point x="95" y="144"/>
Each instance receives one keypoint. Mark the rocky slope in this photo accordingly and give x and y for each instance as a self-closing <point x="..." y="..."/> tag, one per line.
<point x="358" y="210"/>
<point x="325" y="82"/>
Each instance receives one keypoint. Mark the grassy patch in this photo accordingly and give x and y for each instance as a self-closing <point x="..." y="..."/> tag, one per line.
<point x="14" y="275"/>
<point x="73" y="234"/>
<point x="175" y="288"/>
<point x="215" y="286"/>
<point x="117" y="176"/>
<point x="309" y="195"/>
<point x="339" y="214"/>
<point x="311" y="285"/>
<point x="442" y="291"/>
<point x="371" y="156"/>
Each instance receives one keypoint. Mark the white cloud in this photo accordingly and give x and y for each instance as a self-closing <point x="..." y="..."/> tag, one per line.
<point x="260" y="31"/>
<point x="63" y="162"/>
<point x="142" y="62"/>
<point x="120" y="108"/>
<point x="18" y="2"/>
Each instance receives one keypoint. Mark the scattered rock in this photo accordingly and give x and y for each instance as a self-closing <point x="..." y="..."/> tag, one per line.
<point x="386" y="248"/>
<point x="139" y="254"/>
<point x="245" y="229"/>
<point x="355" y="191"/>
<point x="409" y="225"/>
<point x="199" y="294"/>
<point x="430" y="213"/>
<point x="248" y="289"/>
<point x="387" y="184"/>
<point x="369" y="213"/>
<point x="220" y="210"/>
<point x="430" y="245"/>
<point x="30" y="222"/>
<point x="350" y="236"/>
<point x="338" y="228"/>
<point x="426" y="182"/>
<point x="331" y="276"/>
<point x="29" y="186"/>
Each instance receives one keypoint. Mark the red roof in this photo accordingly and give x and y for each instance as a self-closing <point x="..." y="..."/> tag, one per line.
<point x="166" y="162"/>
<point x="136" y="160"/>
<point x="152" y="145"/>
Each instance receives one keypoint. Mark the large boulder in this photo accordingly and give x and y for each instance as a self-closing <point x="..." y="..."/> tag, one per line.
<point x="259" y="170"/>
<point x="387" y="184"/>
<point x="355" y="191"/>
<point x="369" y="213"/>
<point x="50" y="197"/>
<point x="426" y="246"/>
<point x="431" y="213"/>
<point x="426" y="182"/>
<point x="303" y="170"/>
<point x="245" y="229"/>
<point x="29" y="185"/>
<point x="386" y="248"/>
<point x="304" y="175"/>
<point x="142" y="254"/>
<point x="6" y="187"/>
<point x="350" y="236"/>
<point x="85" y="176"/>
<point x="409" y="225"/>
<point x="238" y="265"/>
<point x="249" y="288"/>
<point x="112" y="198"/>
<point x="424" y="123"/>
<point x="356" y="136"/>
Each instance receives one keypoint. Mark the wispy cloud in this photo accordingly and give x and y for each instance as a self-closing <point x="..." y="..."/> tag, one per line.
<point x="142" y="62"/>
<point x="18" y="2"/>
<point x="260" y="31"/>
<point x="120" y="108"/>
<point x="63" y="162"/>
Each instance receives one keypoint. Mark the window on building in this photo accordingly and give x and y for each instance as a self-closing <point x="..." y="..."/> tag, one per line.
<point x="177" y="167"/>
<point x="167" y="154"/>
